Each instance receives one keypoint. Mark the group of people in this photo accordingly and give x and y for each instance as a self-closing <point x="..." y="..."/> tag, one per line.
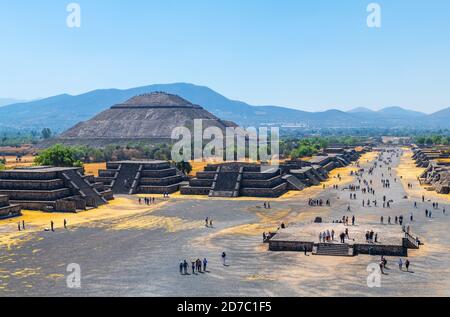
<point x="197" y="266"/>
<point x="147" y="201"/>
<point x="371" y="237"/>
<point x="318" y="202"/>
<point x="21" y="226"/>
<point x="209" y="223"/>
<point x="267" y="205"/>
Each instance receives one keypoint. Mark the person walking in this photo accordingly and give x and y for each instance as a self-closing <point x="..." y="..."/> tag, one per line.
<point x="205" y="264"/>
<point x="52" y="226"/>
<point x="65" y="224"/>
<point x="181" y="268"/>
<point x="400" y="264"/>
<point x="407" y="263"/>
<point x="185" y="267"/>
<point x="23" y="224"/>
<point x="224" y="259"/>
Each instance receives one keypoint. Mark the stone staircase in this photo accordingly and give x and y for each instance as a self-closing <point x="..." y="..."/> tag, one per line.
<point x="86" y="190"/>
<point x="122" y="183"/>
<point x="227" y="182"/>
<point x="332" y="249"/>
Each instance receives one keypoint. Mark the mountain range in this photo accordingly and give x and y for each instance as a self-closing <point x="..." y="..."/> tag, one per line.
<point x="63" y="111"/>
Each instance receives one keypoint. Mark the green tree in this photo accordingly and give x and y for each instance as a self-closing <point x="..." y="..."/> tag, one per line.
<point x="46" y="133"/>
<point x="60" y="156"/>
<point x="184" y="167"/>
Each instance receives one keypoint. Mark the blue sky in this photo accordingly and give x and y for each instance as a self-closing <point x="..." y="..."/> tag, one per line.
<point x="311" y="55"/>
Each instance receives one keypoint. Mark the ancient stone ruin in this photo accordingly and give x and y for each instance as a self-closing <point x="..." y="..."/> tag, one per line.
<point x="141" y="177"/>
<point x="7" y="210"/>
<point x="256" y="180"/>
<point x="437" y="164"/>
<point x="53" y="189"/>
<point x="148" y="118"/>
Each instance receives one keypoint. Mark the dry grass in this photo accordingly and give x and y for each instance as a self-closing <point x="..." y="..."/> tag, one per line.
<point x="25" y="161"/>
<point x="93" y="168"/>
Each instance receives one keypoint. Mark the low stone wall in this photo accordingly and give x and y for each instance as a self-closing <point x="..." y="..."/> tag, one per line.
<point x="4" y="201"/>
<point x="259" y="176"/>
<point x="31" y="184"/>
<point x="160" y="181"/>
<point x="386" y="250"/>
<point x="269" y="183"/>
<point x="290" y="246"/>
<point x="36" y="205"/>
<point x="265" y="192"/>
<point x="67" y="206"/>
<point x="195" y="190"/>
<point x="159" y="173"/>
<point x="159" y="189"/>
<point x="10" y="211"/>
<point x="17" y="175"/>
<point x="201" y="182"/>
<point x="38" y="195"/>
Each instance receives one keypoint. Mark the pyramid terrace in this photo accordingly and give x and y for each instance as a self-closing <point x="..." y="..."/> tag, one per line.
<point x="140" y="177"/>
<point x="53" y="189"/>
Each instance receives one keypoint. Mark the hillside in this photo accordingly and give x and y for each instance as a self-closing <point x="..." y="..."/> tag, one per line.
<point x="63" y="111"/>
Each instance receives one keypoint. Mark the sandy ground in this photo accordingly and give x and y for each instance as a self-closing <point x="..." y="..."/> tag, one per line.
<point x="128" y="249"/>
<point x="25" y="161"/>
<point x="93" y="168"/>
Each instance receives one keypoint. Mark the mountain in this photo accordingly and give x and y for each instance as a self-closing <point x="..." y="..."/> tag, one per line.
<point x="440" y="119"/>
<point x="144" y="117"/>
<point x="398" y="112"/>
<point x="64" y="111"/>
<point x="8" y="101"/>
<point x="361" y="110"/>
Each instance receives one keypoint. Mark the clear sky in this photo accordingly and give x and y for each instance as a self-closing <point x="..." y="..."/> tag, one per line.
<point x="311" y="55"/>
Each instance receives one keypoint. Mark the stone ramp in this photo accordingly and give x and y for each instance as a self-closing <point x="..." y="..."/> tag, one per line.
<point x="88" y="191"/>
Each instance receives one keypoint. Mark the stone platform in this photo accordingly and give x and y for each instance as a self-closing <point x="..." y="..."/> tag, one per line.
<point x="52" y="189"/>
<point x="392" y="241"/>
<point x="7" y="210"/>
<point x="141" y="177"/>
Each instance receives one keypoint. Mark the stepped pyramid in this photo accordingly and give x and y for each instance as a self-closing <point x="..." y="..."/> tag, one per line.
<point x="144" y="118"/>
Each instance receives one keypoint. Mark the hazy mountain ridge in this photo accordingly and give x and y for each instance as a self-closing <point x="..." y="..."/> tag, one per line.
<point x="63" y="111"/>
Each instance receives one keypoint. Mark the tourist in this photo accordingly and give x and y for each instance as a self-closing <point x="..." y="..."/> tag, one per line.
<point x="400" y="264"/>
<point x="342" y="236"/>
<point x="205" y="264"/>
<point x="224" y="259"/>
<point x="332" y="235"/>
<point x="52" y="228"/>
<point x="18" y="226"/>
<point x="353" y="220"/>
<point x="193" y="268"/>
<point x="382" y="220"/>
<point x="320" y="236"/>
<point x="65" y="224"/>
<point x="23" y="224"/>
<point x="407" y="264"/>
<point x="211" y="223"/>
<point x="207" y="222"/>
<point x="185" y="267"/>
<point x="181" y="268"/>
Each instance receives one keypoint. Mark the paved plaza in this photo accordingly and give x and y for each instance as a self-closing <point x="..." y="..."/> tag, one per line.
<point x="128" y="249"/>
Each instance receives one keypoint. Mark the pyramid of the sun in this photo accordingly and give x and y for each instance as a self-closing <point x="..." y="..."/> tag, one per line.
<point x="145" y="118"/>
